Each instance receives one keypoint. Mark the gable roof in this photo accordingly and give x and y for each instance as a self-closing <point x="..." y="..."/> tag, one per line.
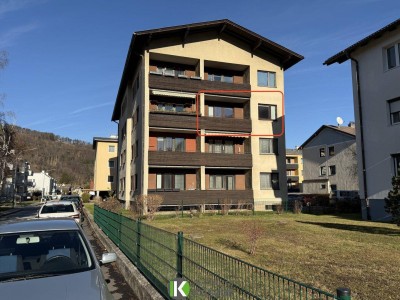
<point x="342" y="129"/>
<point x="343" y="55"/>
<point x="141" y="39"/>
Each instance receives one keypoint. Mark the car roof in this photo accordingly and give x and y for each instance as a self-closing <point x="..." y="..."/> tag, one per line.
<point x="38" y="225"/>
<point x="55" y="202"/>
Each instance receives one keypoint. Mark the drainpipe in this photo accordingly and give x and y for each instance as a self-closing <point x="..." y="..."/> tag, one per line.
<point x="364" y="173"/>
<point x="117" y="183"/>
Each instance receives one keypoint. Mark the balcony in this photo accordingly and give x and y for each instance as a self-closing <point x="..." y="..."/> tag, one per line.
<point x="196" y="84"/>
<point x="197" y="159"/>
<point x="292" y="178"/>
<point x="177" y="120"/>
<point x="292" y="166"/>
<point x="199" y="197"/>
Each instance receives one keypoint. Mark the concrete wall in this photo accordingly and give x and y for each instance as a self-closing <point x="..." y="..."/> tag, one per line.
<point x="377" y="87"/>
<point x="344" y="160"/>
<point x="101" y="167"/>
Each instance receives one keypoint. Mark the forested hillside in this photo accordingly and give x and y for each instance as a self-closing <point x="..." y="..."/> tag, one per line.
<point x="68" y="161"/>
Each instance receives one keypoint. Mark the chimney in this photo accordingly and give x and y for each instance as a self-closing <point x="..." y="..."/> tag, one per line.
<point x="352" y="124"/>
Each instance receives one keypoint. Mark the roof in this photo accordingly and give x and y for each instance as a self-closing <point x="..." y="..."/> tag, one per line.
<point x="343" y="55"/>
<point x="293" y="152"/>
<point x="141" y="39"/>
<point x="103" y="139"/>
<point x="38" y="225"/>
<point x="343" y="129"/>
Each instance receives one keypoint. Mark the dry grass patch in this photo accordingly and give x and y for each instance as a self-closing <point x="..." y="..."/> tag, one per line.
<point x="326" y="252"/>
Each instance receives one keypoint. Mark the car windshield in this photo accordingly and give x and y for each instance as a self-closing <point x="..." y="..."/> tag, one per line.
<point x="58" y="208"/>
<point x="43" y="253"/>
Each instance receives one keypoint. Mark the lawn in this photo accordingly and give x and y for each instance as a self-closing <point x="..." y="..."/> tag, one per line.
<point x="324" y="251"/>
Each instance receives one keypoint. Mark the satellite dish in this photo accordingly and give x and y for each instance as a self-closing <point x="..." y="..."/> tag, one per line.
<point x="339" y="120"/>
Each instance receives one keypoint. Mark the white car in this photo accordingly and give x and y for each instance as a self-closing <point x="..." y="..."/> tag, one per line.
<point x="59" y="209"/>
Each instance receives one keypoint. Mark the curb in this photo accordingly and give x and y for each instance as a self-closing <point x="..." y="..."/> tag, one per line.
<point x="140" y="286"/>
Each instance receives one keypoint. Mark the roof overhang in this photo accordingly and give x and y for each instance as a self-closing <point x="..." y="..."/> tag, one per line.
<point x="344" y="55"/>
<point x="142" y="39"/>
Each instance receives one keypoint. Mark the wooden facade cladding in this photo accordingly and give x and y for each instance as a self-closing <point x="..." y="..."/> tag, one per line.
<point x="209" y="123"/>
<point x="196" y="159"/>
<point x="199" y="197"/>
<point x="196" y="85"/>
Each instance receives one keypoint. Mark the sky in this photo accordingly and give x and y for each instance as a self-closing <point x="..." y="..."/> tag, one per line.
<point x="66" y="57"/>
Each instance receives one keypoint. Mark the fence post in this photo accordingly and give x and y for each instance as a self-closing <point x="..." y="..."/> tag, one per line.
<point x="343" y="294"/>
<point x="138" y="234"/>
<point x="179" y="258"/>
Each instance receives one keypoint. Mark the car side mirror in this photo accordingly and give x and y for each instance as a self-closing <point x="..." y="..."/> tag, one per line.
<point x="108" y="258"/>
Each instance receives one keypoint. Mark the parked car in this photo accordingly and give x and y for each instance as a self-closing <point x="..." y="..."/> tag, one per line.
<point x="49" y="259"/>
<point x="60" y="209"/>
<point x="73" y="198"/>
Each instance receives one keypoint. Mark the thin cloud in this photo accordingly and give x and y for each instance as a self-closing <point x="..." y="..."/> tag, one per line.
<point x="90" y="107"/>
<point x="9" y="38"/>
<point x="7" y="6"/>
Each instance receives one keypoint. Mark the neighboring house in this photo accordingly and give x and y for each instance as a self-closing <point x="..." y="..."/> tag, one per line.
<point x="294" y="170"/>
<point x="105" y="165"/>
<point x="189" y="129"/>
<point x="330" y="162"/>
<point x="42" y="182"/>
<point x="17" y="183"/>
<point x="375" y="65"/>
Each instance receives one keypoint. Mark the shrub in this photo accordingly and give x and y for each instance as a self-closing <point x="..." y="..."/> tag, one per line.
<point x="85" y="197"/>
<point x="298" y="207"/>
<point x="253" y="231"/>
<point x="147" y="205"/>
<point x="392" y="202"/>
<point x="112" y="204"/>
<point x="225" y="206"/>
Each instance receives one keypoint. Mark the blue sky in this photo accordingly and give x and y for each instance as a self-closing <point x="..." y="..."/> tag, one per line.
<point x="66" y="56"/>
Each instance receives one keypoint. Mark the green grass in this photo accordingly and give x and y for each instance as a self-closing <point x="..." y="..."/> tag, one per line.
<point x="323" y="251"/>
<point x="89" y="207"/>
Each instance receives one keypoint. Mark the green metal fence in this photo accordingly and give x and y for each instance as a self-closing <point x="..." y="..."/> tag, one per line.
<point x="163" y="256"/>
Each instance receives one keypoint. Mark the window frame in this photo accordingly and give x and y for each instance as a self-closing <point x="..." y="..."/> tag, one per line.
<point x="272" y="114"/>
<point x="331" y="150"/>
<point x="394" y="111"/>
<point x="389" y="65"/>
<point x="111" y="147"/>
<point x="110" y="177"/>
<point x="332" y="170"/>
<point x="269" y="81"/>
<point x="270" y="184"/>
<point x="111" y="164"/>
<point x="224" y="181"/>
<point x="396" y="164"/>
<point x="273" y="146"/>
<point x="322" y="171"/>
<point x="322" y="152"/>
<point x="162" y="181"/>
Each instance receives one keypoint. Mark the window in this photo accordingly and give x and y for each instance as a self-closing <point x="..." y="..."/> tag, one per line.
<point x="170" y="144"/>
<point x="220" y="146"/>
<point x="322" y="186"/>
<point x="111" y="148"/>
<point x="396" y="160"/>
<point x="394" y="107"/>
<point x="331" y="151"/>
<point x="110" y="179"/>
<point x="333" y="187"/>
<point x="133" y="183"/>
<point x="322" y="171"/>
<point x="222" y="182"/>
<point x="220" y="78"/>
<point x="267" y="79"/>
<point x="220" y="112"/>
<point x="392" y="55"/>
<point x="170" y="181"/>
<point x="269" y="181"/>
<point x="321" y="152"/>
<point x="269" y="146"/>
<point x="332" y="170"/>
<point x="111" y="163"/>
<point x="266" y="112"/>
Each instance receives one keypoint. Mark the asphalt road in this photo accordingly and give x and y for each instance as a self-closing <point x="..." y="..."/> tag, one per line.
<point x="116" y="282"/>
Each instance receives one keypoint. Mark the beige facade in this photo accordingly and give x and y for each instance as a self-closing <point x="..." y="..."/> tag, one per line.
<point x="180" y="108"/>
<point x="105" y="166"/>
<point x="294" y="170"/>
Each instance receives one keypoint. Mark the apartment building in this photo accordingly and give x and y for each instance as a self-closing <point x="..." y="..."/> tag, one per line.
<point x="200" y="116"/>
<point x="105" y="165"/>
<point x="330" y="162"/>
<point x="294" y="170"/>
<point x="375" y="68"/>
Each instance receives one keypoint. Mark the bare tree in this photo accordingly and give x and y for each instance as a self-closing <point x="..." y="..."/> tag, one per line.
<point x="7" y="131"/>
